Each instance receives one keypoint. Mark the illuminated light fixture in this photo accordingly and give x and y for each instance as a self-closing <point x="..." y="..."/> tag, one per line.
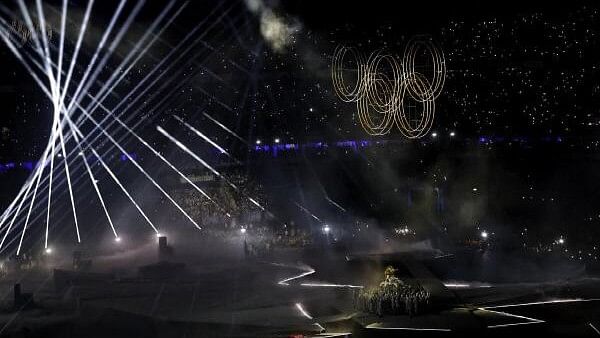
<point x="384" y="85"/>
<point x="118" y="239"/>
<point x="277" y="140"/>
<point x="48" y="251"/>
<point x="243" y="230"/>
<point x="484" y="234"/>
<point x="258" y="141"/>
<point x="326" y="229"/>
<point x="452" y="134"/>
<point x="434" y="134"/>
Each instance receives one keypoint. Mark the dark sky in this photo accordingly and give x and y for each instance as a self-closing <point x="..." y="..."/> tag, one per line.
<point x="290" y="84"/>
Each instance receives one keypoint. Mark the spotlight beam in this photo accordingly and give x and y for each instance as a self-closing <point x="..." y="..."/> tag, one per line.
<point x="91" y="175"/>
<point x="68" y="174"/>
<point x="225" y="128"/>
<point x="201" y="135"/>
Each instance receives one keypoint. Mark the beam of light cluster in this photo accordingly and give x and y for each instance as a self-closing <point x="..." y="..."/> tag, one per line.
<point x="206" y="165"/>
<point x="58" y="92"/>
<point x="221" y="149"/>
<point x="42" y="86"/>
<point x="204" y="137"/>
<point x="162" y="158"/>
<point x="139" y="167"/>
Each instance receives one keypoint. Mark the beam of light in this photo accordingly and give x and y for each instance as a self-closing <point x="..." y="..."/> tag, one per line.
<point x="321" y="329"/>
<point x="594" y="328"/>
<point x="555" y="301"/>
<point x="332" y="335"/>
<point x="465" y="285"/>
<point x="334" y="203"/>
<point x="66" y="165"/>
<point x="302" y="311"/>
<point x="376" y="327"/>
<point x="82" y="30"/>
<point x="61" y="43"/>
<point x="304" y="274"/>
<point x="529" y="319"/>
<point x="50" y="190"/>
<point x="307" y="212"/>
<point x="134" y="162"/>
<point x="204" y="137"/>
<point x="513" y="324"/>
<point x="225" y="128"/>
<point x="326" y="285"/>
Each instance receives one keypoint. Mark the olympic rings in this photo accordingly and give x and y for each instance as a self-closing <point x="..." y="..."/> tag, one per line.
<point x="383" y="85"/>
